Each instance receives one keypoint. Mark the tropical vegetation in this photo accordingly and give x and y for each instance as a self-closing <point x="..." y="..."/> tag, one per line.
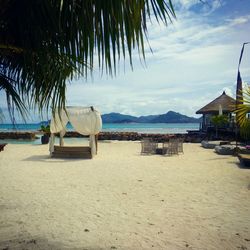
<point x="242" y="111"/>
<point x="219" y="121"/>
<point x="45" y="129"/>
<point x="45" y="43"/>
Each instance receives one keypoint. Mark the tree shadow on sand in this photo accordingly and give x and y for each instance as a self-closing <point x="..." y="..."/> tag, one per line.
<point x="14" y="237"/>
<point x="32" y="243"/>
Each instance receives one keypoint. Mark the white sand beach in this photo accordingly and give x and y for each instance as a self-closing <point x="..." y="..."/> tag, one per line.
<point x="123" y="200"/>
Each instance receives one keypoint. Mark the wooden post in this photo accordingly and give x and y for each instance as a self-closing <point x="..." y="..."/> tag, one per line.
<point x="203" y="122"/>
<point x="96" y="142"/>
<point x="61" y="140"/>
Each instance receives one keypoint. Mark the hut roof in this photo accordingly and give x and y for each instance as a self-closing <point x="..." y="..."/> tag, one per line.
<point x="227" y="104"/>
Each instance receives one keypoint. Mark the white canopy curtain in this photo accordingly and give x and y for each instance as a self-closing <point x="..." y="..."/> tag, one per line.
<point x="85" y="120"/>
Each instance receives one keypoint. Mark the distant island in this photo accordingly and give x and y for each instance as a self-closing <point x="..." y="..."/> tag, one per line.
<point x="169" y="117"/>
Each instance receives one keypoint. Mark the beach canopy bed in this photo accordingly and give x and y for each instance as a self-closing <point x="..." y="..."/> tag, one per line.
<point x="85" y="120"/>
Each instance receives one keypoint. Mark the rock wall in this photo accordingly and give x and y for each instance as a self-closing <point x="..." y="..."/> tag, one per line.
<point x="120" y="136"/>
<point x="134" y="136"/>
<point x="18" y="135"/>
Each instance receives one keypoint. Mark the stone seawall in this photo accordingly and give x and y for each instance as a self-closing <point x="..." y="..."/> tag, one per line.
<point x="120" y="136"/>
<point x="18" y="135"/>
<point x="134" y="136"/>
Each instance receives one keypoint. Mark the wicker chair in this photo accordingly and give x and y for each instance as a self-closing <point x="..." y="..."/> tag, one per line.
<point x="171" y="147"/>
<point x="165" y="147"/>
<point x="148" y="146"/>
<point x="180" y="146"/>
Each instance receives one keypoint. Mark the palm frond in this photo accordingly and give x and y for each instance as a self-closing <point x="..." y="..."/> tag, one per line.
<point x="245" y="130"/>
<point x="13" y="99"/>
<point x="2" y="117"/>
<point x="243" y="108"/>
<point x="44" y="43"/>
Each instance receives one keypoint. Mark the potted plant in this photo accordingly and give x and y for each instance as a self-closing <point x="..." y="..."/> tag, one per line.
<point x="46" y="134"/>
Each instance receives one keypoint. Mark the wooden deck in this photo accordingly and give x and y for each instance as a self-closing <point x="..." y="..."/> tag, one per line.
<point x="72" y="152"/>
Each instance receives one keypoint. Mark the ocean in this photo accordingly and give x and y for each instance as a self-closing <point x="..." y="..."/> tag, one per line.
<point x="152" y="128"/>
<point x="160" y="128"/>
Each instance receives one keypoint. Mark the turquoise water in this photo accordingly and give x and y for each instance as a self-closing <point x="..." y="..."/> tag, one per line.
<point x="162" y="128"/>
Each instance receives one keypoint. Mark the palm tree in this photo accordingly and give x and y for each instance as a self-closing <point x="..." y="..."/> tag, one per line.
<point x="43" y="43"/>
<point x="242" y="103"/>
<point x="243" y="108"/>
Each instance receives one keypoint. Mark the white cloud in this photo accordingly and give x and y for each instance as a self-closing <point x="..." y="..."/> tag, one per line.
<point x="239" y="20"/>
<point x="207" y="6"/>
<point x="229" y="91"/>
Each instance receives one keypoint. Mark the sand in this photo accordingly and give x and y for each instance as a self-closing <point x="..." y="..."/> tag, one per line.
<point x="123" y="200"/>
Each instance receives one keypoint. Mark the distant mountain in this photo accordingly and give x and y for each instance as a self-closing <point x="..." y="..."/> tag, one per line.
<point x="118" y="118"/>
<point x="146" y="119"/>
<point x="169" y="117"/>
<point x="173" y="117"/>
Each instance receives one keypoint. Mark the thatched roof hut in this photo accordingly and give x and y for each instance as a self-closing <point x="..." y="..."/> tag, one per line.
<point x="226" y="102"/>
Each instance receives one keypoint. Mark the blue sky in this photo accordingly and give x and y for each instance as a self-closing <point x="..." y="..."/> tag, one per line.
<point x="193" y="61"/>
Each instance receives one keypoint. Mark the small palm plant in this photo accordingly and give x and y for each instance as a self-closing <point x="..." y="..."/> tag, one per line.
<point x="46" y="134"/>
<point x="218" y="121"/>
<point x="45" y="129"/>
